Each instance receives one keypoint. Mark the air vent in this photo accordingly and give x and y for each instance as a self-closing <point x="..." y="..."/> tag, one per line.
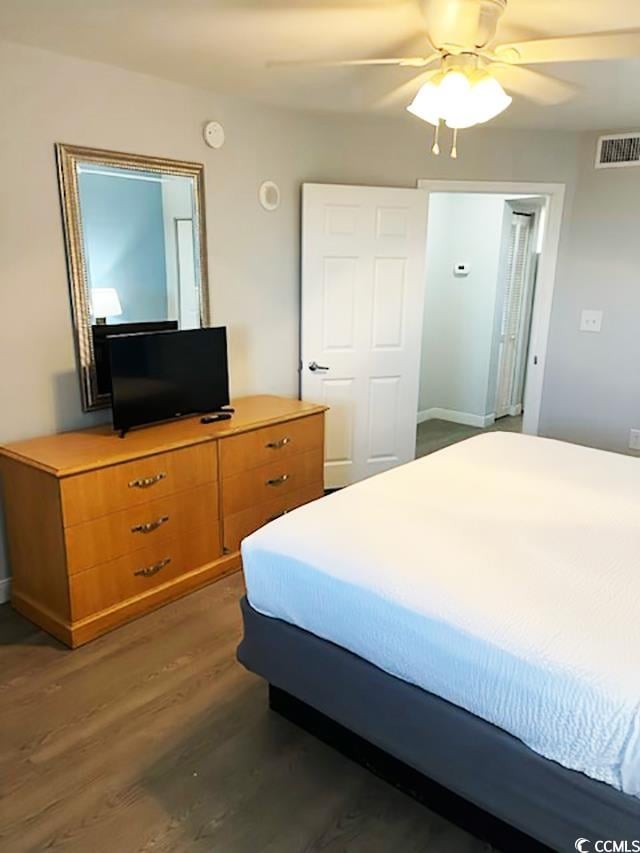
<point x="618" y="150"/>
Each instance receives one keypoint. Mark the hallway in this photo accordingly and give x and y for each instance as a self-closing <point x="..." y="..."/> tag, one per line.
<point x="435" y="434"/>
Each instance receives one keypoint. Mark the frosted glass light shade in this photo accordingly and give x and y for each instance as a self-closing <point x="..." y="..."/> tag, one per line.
<point x="455" y="93"/>
<point x="460" y="99"/>
<point x="105" y="302"/>
<point x="490" y="99"/>
<point x="426" y="104"/>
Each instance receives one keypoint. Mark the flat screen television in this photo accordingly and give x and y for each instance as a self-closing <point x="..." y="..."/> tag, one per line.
<point x="102" y="331"/>
<point x="163" y="375"/>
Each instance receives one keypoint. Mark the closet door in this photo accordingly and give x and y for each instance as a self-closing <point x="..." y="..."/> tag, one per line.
<point x="513" y="328"/>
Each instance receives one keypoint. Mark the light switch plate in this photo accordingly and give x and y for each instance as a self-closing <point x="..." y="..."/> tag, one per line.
<point x="591" y="321"/>
<point x="634" y="439"/>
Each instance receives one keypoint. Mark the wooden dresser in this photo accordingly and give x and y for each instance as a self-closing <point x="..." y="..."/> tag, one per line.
<point x="103" y="529"/>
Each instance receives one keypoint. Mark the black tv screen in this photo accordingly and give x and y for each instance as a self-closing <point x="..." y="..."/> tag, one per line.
<point x="101" y="332"/>
<point x="163" y="375"/>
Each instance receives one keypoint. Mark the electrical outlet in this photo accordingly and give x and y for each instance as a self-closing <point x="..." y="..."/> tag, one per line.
<point x="634" y="439"/>
<point x="591" y="321"/>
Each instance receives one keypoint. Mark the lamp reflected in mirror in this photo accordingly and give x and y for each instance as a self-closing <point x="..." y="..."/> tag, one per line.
<point x="105" y="303"/>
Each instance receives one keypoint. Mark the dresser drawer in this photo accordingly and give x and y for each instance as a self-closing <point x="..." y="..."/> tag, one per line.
<point x="159" y="521"/>
<point x="107" y="490"/>
<point x="241" y="524"/>
<point x="260" y="485"/>
<point x="273" y="443"/>
<point x="134" y="574"/>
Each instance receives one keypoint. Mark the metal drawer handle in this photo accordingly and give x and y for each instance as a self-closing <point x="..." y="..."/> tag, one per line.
<point x="145" y="482"/>
<point x="278" y="481"/>
<point x="277" y="515"/>
<point x="150" y="525"/>
<point x="149" y="571"/>
<point x="277" y="445"/>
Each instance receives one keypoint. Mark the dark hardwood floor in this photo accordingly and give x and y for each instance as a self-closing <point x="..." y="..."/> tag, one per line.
<point x="153" y="738"/>
<point x="436" y="434"/>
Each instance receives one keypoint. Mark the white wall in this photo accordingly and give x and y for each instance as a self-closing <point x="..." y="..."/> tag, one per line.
<point x="592" y="384"/>
<point x="459" y="315"/>
<point x="253" y="255"/>
<point x="396" y="152"/>
<point x="46" y="98"/>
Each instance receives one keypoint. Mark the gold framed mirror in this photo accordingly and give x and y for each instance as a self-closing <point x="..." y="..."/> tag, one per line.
<point x="136" y="246"/>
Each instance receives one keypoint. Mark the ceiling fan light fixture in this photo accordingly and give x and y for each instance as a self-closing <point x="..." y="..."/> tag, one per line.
<point x="454" y="92"/>
<point x="490" y="98"/>
<point x="426" y="104"/>
<point x="461" y="97"/>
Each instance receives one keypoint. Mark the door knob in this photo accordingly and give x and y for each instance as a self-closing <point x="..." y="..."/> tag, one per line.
<point x="314" y="366"/>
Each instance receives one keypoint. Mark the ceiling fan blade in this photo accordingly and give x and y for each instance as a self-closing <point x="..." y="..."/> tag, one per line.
<point x="405" y="61"/>
<point x="532" y="85"/>
<point x="314" y="5"/>
<point x="403" y="95"/>
<point x="584" y="48"/>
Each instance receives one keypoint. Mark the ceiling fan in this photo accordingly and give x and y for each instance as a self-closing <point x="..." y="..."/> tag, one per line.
<point x="466" y="87"/>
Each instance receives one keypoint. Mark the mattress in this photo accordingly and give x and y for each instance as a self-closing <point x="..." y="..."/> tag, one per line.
<point x="501" y="574"/>
<point x="477" y="761"/>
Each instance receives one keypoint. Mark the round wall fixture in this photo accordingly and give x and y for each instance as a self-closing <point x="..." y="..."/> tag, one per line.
<point x="214" y="134"/>
<point x="269" y="195"/>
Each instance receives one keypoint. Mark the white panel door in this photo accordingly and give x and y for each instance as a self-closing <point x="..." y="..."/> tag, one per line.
<point x="363" y="256"/>
<point x="513" y="328"/>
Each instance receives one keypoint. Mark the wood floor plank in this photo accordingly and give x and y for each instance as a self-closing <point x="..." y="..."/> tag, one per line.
<point x="436" y="434"/>
<point x="153" y="739"/>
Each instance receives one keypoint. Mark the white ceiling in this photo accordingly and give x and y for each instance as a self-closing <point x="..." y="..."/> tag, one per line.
<point x="224" y="45"/>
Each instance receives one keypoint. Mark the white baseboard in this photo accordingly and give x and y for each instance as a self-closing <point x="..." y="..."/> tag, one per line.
<point x="5" y="590"/>
<point x="466" y="418"/>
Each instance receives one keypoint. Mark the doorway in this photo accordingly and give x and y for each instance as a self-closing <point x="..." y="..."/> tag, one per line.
<point x="482" y="264"/>
<point x="361" y="331"/>
<point x="545" y="279"/>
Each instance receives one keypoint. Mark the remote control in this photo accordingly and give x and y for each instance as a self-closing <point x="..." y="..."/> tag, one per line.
<point x="212" y="419"/>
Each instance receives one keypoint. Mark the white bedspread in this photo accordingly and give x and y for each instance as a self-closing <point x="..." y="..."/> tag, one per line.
<point x="502" y="574"/>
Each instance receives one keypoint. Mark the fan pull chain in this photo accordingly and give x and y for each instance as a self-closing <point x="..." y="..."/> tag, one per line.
<point x="436" y="140"/>
<point x="454" y="145"/>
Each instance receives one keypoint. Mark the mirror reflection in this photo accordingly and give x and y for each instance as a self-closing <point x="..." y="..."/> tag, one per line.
<point x="134" y="235"/>
<point x="139" y="245"/>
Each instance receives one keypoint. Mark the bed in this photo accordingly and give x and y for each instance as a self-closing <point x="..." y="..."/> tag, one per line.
<point x="472" y="615"/>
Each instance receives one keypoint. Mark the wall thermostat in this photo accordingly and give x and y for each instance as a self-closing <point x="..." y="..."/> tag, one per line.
<point x="214" y="134"/>
<point x="269" y="195"/>
<point x="461" y="270"/>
